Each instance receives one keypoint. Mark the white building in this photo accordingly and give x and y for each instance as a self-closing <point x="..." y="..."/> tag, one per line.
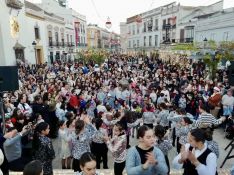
<point x="12" y="34"/>
<point x="123" y="37"/>
<point x="218" y="26"/>
<point x="105" y="38"/>
<point x="175" y="23"/>
<point x="80" y="26"/>
<point x="35" y="22"/>
<point x="191" y="22"/>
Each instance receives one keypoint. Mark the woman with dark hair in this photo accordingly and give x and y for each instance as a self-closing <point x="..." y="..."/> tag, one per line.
<point x="149" y="116"/>
<point x="196" y="158"/>
<point x="182" y="129"/>
<point x="118" y="147"/>
<point x="145" y="159"/>
<point x="33" y="168"/>
<point x="42" y="147"/>
<point x="163" y="142"/>
<point x="81" y="142"/>
<point x="87" y="164"/>
<point x="211" y="144"/>
<point x="99" y="148"/>
<point x="206" y="119"/>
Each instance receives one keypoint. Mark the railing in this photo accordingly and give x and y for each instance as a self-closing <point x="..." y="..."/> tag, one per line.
<point x="61" y="44"/>
<point x="189" y="40"/>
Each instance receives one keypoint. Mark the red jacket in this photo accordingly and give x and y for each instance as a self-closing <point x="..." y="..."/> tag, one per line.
<point x="74" y="101"/>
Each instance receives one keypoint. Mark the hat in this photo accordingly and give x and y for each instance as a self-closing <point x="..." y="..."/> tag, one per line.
<point x="217" y="89"/>
<point x="109" y="95"/>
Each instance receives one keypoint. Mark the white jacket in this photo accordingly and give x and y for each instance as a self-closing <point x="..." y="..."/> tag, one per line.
<point x="1" y="160"/>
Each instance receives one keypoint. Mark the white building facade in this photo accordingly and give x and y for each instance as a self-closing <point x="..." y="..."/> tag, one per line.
<point x="123" y="37"/>
<point x="12" y="33"/>
<point x="175" y="23"/>
<point x="217" y="27"/>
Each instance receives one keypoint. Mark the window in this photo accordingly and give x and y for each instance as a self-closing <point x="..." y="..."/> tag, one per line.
<point x="129" y="44"/>
<point x="37" y="33"/>
<point x="138" y="29"/>
<point x="164" y="23"/>
<point x="144" y="30"/>
<point x="71" y="38"/>
<point x="150" y="40"/>
<point x="129" y="30"/>
<point x="56" y="38"/>
<point x="62" y="39"/>
<point x="212" y="36"/>
<point x="138" y="43"/>
<point x="68" y="38"/>
<point x="133" y="30"/>
<point x="144" y="40"/>
<point x="134" y="44"/>
<point x="225" y="36"/>
<point x="50" y="38"/>
<point x="156" y="40"/>
<point x="150" y="25"/>
<point x="156" y="25"/>
<point x="84" y="39"/>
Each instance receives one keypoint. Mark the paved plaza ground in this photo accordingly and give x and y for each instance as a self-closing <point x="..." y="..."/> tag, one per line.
<point x="218" y="137"/>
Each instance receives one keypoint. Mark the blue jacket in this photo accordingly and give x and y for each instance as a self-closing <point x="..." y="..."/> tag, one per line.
<point x="13" y="148"/>
<point x="134" y="166"/>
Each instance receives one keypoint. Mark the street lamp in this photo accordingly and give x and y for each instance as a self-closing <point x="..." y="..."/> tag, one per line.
<point x="34" y="45"/>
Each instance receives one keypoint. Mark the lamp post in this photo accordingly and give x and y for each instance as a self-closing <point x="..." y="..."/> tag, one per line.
<point x="34" y="45"/>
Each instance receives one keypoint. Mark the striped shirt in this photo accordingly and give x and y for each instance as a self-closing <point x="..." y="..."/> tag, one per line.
<point x="207" y="120"/>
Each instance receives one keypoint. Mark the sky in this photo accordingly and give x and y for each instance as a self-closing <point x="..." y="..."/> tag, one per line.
<point x="97" y="11"/>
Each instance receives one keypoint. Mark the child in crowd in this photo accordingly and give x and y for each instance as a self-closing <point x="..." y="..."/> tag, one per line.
<point x="64" y="150"/>
<point x="182" y="131"/>
<point x="81" y="141"/>
<point x="99" y="148"/>
<point x="117" y="145"/>
<point x="87" y="164"/>
<point x="43" y="148"/>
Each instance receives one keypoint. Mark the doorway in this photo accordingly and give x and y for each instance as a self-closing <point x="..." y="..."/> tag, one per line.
<point x="39" y="56"/>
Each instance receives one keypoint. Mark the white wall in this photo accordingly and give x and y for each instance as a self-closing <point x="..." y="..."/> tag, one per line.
<point x="216" y="27"/>
<point x="29" y="50"/>
<point x="7" y="42"/>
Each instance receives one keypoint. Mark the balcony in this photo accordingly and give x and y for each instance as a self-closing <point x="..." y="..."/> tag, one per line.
<point x="166" y="26"/>
<point x="82" y="45"/>
<point x="189" y="40"/>
<point x="70" y="44"/>
<point x="61" y="44"/>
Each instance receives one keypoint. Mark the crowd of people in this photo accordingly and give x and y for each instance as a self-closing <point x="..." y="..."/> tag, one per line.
<point x="95" y="109"/>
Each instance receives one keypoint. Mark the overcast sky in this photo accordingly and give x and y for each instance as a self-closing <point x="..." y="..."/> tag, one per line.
<point x="119" y="10"/>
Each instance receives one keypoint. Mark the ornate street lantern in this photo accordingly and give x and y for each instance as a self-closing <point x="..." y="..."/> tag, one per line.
<point x="108" y="23"/>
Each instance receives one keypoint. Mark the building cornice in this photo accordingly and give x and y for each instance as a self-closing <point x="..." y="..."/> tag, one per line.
<point x="31" y="15"/>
